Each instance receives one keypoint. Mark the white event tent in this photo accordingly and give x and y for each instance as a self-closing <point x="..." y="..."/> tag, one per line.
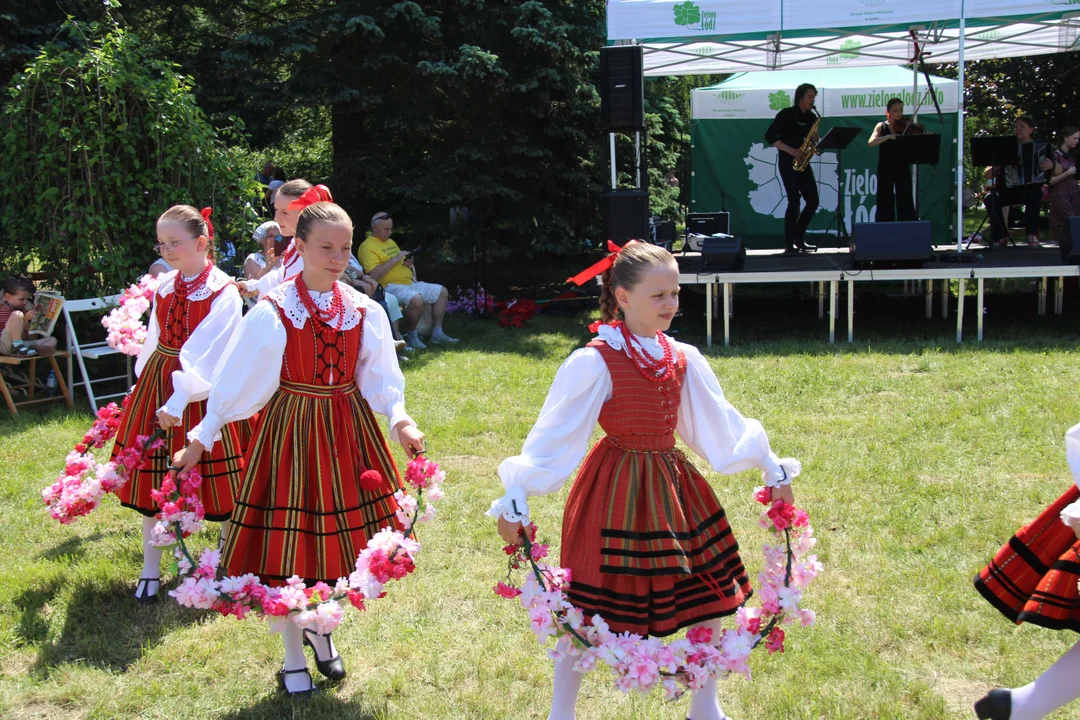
<point x="695" y="37"/>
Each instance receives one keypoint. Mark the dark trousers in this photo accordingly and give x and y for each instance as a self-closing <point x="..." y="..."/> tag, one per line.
<point x="1030" y="196"/>
<point x="799" y="186"/>
<point x="894" y="201"/>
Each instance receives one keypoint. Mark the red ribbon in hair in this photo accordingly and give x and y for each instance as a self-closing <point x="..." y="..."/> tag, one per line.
<point x="601" y="267"/>
<point x="319" y="193"/>
<point x="206" y="212"/>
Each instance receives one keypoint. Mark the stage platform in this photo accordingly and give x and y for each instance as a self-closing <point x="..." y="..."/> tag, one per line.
<point x="833" y="266"/>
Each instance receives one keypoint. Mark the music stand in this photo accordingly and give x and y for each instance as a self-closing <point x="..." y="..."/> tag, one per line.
<point x="912" y="150"/>
<point x="994" y="151"/>
<point x="837" y="139"/>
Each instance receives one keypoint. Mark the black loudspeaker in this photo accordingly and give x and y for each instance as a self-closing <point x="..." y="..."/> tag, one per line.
<point x="707" y="223"/>
<point x="1070" y="243"/>
<point x="722" y="254"/>
<point x="663" y="233"/>
<point x="891" y="244"/>
<point x="622" y="87"/>
<point x="625" y="215"/>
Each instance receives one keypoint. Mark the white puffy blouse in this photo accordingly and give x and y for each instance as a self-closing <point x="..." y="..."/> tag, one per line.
<point x="249" y="372"/>
<point x="200" y="352"/>
<point x="707" y="423"/>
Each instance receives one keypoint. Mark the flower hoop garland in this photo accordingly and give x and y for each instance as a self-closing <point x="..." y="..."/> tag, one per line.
<point x="127" y="333"/>
<point x="389" y="555"/>
<point x="84" y="482"/>
<point x="645" y="663"/>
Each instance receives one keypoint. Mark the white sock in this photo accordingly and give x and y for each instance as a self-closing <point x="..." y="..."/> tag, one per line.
<point x="323" y="644"/>
<point x="565" y="690"/>
<point x="151" y="557"/>
<point x="1055" y="688"/>
<point x="224" y="525"/>
<point x="704" y="705"/>
<point x="294" y="657"/>
<point x="411" y="335"/>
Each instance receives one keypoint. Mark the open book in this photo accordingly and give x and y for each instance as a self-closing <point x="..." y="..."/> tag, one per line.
<point x="47" y="306"/>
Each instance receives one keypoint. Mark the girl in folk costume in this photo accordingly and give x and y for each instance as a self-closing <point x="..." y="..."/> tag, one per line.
<point x="195" y="311"/>
<point x="291" y="198"/>
<point x="644" y="536"/>
<point x="325" y="359"/>
<point x="1033" y="579"/>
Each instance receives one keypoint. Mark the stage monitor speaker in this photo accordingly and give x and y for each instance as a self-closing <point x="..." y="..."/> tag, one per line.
<point x="622" y="87"/>
<point x="663" y="233"/>
<point x="1070" y="242"/>
<point x="710" y="223"/>
<point x="891" y="244"/>
<point x="722" y="254"/>
<point x="625" y="215"/>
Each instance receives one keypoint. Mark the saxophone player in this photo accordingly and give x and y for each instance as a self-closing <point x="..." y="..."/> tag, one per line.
<point x="789" y="130"/>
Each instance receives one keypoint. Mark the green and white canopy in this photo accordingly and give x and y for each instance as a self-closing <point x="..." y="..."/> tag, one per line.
<point x="691" y="37"/>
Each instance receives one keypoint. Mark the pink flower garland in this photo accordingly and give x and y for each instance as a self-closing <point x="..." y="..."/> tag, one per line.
<point x="84" y="482"/>
<point x="127" y="333"/>
<point x="642" y="664"/>
<point x="389" y="555"/>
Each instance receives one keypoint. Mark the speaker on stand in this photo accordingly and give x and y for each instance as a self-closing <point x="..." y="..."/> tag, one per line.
<point x="625" y="213"/>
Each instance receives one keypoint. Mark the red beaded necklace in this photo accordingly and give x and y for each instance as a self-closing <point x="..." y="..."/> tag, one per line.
<point x="657" y="371"/>
<point x="289" y="256"/>
<point x="185" y="288"/>
<point x="322" y="317"/>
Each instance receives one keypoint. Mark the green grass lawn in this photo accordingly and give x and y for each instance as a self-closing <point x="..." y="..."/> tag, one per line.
<point x="921" y="458"/>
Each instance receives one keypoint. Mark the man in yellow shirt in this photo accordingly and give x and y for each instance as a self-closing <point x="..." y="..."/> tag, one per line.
<point x="383" y="260"/>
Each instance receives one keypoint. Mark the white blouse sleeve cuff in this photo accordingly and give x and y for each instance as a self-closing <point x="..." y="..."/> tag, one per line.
<point x="208" y="431"/>
<point x="511" y="506"/>
<point x="1071" y="515"/>
<point x="397" y="415"/>
<point x="176" y="403"/>
<point x="780" y="472"/>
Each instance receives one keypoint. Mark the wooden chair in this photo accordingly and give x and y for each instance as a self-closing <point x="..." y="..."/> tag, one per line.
<point x="29" y="387"/>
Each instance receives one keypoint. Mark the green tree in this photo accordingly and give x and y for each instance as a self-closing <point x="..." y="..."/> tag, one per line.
<point x="98" y="139"/>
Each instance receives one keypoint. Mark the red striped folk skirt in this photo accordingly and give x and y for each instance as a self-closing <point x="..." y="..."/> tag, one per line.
<point x="648" y="544"/>
<point x="221" y="468"/>
<point x="245" y="432"/>
<point x="1034" y="578"/>
<point x="301" y="510"/>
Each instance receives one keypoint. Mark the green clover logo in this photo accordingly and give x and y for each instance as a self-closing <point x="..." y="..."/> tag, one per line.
<point x="850" y="48"/>
<point x="779" y="100"/>
<point x="687" y="13"/>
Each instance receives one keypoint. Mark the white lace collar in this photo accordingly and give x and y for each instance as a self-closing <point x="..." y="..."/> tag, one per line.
<point x="615" y="340"/>
<point x="215" y="281"/>
<point x="286" y="297"/>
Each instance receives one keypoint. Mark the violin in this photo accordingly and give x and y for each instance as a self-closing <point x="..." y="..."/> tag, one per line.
<point x="905" y="126"/>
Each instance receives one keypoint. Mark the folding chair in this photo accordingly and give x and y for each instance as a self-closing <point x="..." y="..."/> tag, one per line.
<point x="92" y="350"/>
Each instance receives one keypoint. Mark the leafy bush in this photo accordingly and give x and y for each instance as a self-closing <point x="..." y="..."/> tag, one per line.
<point x="98" y="139"/>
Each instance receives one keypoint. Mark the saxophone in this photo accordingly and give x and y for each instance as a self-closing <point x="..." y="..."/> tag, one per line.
<point x="807" y="150"/>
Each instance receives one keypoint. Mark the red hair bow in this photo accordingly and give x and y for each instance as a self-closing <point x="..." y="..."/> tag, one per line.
<point x="601" y="267"/>
<point x="319" y="193"/>
<point x="206" y="212"/>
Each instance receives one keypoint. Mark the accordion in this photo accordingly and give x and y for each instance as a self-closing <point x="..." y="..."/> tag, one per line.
<point x="1027" y="171"/>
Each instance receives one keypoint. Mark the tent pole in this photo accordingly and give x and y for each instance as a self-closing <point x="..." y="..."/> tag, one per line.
<point x="960" y="140"/>
<point x="614" y="180"/>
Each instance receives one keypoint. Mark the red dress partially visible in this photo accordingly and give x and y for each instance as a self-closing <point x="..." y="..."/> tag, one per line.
<point x="222" y="467"/>
<point x="647" y="542"/>
<point x="301" y="510"/>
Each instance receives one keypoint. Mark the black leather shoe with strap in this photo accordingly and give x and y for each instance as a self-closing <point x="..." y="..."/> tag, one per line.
<point x="331" y="668"/>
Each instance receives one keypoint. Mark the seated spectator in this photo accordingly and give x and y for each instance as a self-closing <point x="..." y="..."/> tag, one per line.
<point x="16" y="311"/>
<point x="259" y="263"/>
<point x="355" y="276"/>
<point x="159" y="267"/>
<point x="267" y="173"/>
<point x="383" y="260"/>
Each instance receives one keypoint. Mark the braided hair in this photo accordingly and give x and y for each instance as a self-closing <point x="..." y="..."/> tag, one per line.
<point x="626" y="272"/>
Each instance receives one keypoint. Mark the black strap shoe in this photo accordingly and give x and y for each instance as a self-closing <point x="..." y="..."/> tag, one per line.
<point x="331" y="668"/>
<point x="995" y="705"/>
<point x="295" y="693"/>
<point x="802" y="245"/>
<point x="142" y="590"/>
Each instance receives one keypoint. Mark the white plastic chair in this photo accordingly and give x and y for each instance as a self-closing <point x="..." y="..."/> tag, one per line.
<point x="92" y="351"/>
